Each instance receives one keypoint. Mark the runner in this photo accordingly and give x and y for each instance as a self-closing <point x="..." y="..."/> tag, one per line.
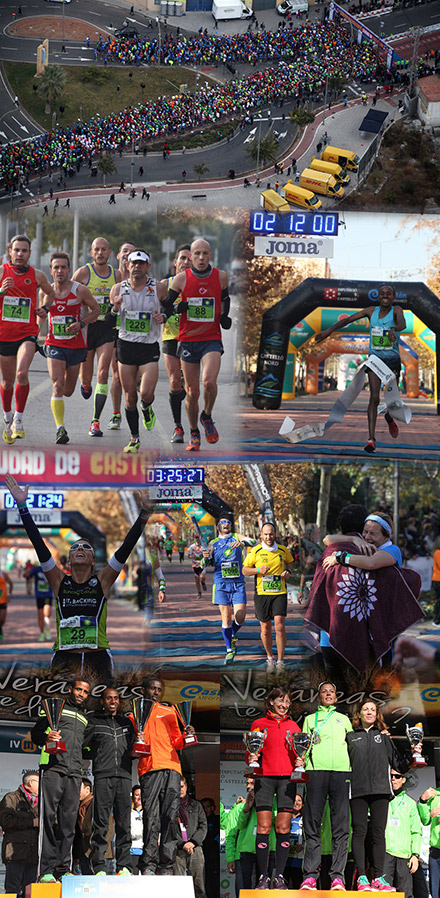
<point x="6" y="587"/>
<point x="116" y="387"/>
<point x="66" y="342"/>
<point x="99" y="277"/>
<point x="228" y="590"/>
<point x="137" y="349"/>
<point x="19" y="330"/>
<point x="181" y="546"/>
<point x="386" y="322"/>
<point x="272" y="565"/>
<point x="170" y="336"/>
<point x="169" y="546"/>
<point x="204" y="311"/>
<point x="145" y="586"/>
<point x="195" y="553"/>
<point x="81" y="643"/>
<point x="43" y="598"/>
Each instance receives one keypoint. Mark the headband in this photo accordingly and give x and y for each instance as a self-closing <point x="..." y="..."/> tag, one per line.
<point x="381" y="521"/>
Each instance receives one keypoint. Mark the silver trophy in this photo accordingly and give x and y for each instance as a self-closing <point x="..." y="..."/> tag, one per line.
<point x="300" y="744"/>
<point x="141" y="712"/>
<point x="184" y="710"/>
<point x="53" y="708"/>
<point x="254" y="741"/>
<point x="415" y="737"/>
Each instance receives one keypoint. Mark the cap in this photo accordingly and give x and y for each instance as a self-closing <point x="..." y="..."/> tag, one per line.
<point x="138" y="255"/>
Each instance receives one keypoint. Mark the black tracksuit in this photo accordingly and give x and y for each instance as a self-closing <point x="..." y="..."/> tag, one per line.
<point x="108" y="740"/>
<point x="60" y="783"/>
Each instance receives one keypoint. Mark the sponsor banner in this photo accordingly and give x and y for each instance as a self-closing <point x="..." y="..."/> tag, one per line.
<point x="258" y="480"/>
<point x="173" y="492"/>
<point x="76" y="467"/>
<point x="43" y="517"/>
<point x="294" y="246"/>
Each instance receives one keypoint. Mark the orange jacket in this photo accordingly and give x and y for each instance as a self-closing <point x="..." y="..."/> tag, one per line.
<point x="162" y="733"/>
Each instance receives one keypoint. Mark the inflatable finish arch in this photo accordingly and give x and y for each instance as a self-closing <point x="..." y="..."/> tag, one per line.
<point x="321" y="292"/>
<point x="76" y="521"/>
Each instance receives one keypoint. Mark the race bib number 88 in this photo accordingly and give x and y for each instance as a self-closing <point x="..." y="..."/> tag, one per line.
<point x="200" y="308"/>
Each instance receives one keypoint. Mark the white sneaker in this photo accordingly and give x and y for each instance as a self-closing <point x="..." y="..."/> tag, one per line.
<point x="270" y="665"/>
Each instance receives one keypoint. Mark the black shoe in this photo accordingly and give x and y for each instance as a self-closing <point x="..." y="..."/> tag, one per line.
<point x="62" y="435"/>
<point x="177" y="436"/>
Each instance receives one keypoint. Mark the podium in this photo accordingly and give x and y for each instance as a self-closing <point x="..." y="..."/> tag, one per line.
<point x="44" y="890"/>
<point x="114" y="887"/>
<point x="291" y="893"/>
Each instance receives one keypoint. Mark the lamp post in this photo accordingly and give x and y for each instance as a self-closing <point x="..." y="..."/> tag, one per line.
<point x="258" y="148"/>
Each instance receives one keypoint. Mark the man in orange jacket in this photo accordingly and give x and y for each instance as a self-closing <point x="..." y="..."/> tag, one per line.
<point x="159" y="777"/>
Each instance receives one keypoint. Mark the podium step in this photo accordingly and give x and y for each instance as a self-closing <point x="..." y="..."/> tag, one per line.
<point x="114" y="887"/>
<point x="292" y="893"/>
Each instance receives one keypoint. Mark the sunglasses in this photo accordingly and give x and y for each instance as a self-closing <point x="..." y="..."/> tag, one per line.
<point x="396" y="776"/>
<point x="82" y="546"/>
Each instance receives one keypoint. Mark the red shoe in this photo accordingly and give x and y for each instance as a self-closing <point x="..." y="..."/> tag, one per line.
<point x="210" y="428"/>
<point x="370" y="446"/>
<point x="194" y="442"/>
<point x="393" y="429"/>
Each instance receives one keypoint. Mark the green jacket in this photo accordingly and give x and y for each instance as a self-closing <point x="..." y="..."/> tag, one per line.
<point x="331" y="752"/>
<point x="223" y="816"/>
<point x="231" y="851"/>
<point x="403" y="833"/>
<point x="247" y="829"/>
<point x="424" y="809"/>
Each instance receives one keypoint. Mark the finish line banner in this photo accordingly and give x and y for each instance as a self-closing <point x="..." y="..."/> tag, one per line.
<point x="76" y="468"/>
<point x="362" y="31"/>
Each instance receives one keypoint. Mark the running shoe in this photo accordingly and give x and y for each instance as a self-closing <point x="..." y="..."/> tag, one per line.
<point x="48" y="877"/>
<point x="8" y="436"/>
<point x="194" y="442"/>
<point x="41" y="638"/>
<point x="280" y="666"/>
<point x="381" y="885"/>
<point x="279" y="882"/>
<point x="124" y="872"/>
<point x="133" y="446"/>
<point x="337" y="885"/>
<point x="86" y="392"/>
<point x="309" y="883"/>
<point x="62" y="435"/>
<point x="101" y="873"/>
<point x="95" y="430"/>
<point x="363" y="884"/>
<point x="203" y="586"/>
<point x="230" y="655"/>
<point x="370" y="446"/>
<point x="209" y="427"/>
<point x="177" y="436"/>
<point x="270" y="665"/>
<point x="234" y="642"/>
<point x="263" y="882"/>
<point x="148" y="417"/>
<point x="114" y="423"/>
<point x="47" y="635"/>
<point x="393" y="429"/>
<point x="17" y="430"/>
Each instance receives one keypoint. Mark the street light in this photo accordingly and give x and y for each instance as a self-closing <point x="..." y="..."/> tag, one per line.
<point x="158" y="25"/>
<point x="258" y="148"/>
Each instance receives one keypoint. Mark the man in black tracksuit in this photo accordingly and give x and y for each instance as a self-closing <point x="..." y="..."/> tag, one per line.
<point x="108" y="741"/>
<point x="60" y="782"/>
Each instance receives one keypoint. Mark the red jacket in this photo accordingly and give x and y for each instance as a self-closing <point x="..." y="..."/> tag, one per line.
<point x="276" y="758"/>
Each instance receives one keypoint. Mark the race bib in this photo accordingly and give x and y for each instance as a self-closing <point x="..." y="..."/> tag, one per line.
<point x="60" y="323"/>
<point x="138" y="322"/>
<point x="16" y="308"/>
<point x="271" y="584"/>
<point x="393" y="821"/>
<point x="104" y="305"/>
<point x="230" y="569"/>
<point x="200" y="308"/>
<point x="79" y="633"/>
<point x="380" y="338"/>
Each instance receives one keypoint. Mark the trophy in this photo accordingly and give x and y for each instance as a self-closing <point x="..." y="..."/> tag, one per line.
<point x="300" y="744"/>
<point x="184" y="714"/>
<point x="254" y="741"/>
<point x="53" y="708"/>
<point x="141" y="712"/>
<point x="415" y="736"/>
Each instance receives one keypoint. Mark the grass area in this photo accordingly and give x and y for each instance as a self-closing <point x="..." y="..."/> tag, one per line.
<point x="92" y="90"/>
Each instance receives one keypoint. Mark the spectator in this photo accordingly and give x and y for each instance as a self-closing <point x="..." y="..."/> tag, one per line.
<point x="193" y="828"/>
<point x="211" y="849"/>
<point x="19" y="822"/>
<point x="137" y="830"/>
<point x="83" y="830"/>
<point x="403" y="836"/>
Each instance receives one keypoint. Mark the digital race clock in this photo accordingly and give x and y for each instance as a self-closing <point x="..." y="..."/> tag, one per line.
<point x="175" y="475"/>
<point x="37" y="500"/>
<point x="323" y="224"/>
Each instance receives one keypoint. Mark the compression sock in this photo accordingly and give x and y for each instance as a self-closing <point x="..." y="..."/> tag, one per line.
<point x="57" y="406"/>
<point x="262" y="853"/>
<point x="21" y="394"/>
<point x="6" y="399"/>
<point x="235" y="627"/>
<point x="227" y="636"/>
<point x="99" y="397"/>
<point x="132" y="416"/>
<point x="282" y="849"/>
<point x="176" y="397"/>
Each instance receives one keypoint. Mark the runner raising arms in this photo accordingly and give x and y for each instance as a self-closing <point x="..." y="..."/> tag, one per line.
<point x="386" y="322"/>
<point x="19" y="328"/>
<point x="99" y="277"/>
<point x="66" y="342"/>
<point x="204" y="311"/>
<point x="170" y="336"/>
<point x="81" y="644"/>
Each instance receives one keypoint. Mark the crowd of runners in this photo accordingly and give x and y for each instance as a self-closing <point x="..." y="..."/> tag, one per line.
<point x="122" y="317"/>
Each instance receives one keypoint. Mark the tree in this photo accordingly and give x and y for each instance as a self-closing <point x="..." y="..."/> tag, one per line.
<point x="52" y="84"/>
<point x="200" y="169"/>
<point x="302" y="117"/>
<point x="106" y="166"/>
<point x="267" y="152"/>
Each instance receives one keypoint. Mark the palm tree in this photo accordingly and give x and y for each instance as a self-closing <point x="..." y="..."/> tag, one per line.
<point x="301" y="116"/>
<point x="200" y="169"/>
<point x="266" y="151"/>
<point x="52" y="84"/>
<point x="106" y="166"/>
